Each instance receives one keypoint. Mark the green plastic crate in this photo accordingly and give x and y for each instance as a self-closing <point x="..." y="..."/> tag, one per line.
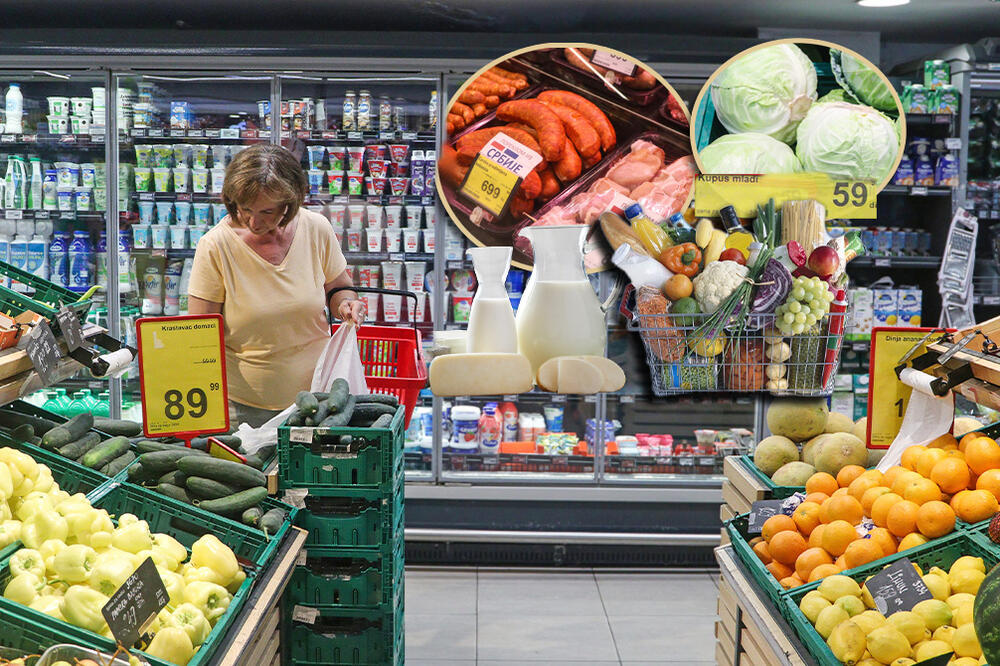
<point x="45" y="298"/>
<point x="27" y="636"/>
<point x="345" y="638"/>
<point x="375" y="465"/>
<point x="737" y="530"/>
<point x="941" y="553"/>
<point x="365" y="579"/>
<point x="350" y="523"/>
<point x="777" y="492"/>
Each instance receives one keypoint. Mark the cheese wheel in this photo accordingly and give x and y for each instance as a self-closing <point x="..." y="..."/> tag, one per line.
<point x="480" y="374"/>
<point x="578" y="379"/>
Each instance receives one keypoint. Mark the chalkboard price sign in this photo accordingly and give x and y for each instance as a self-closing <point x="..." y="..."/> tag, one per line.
<point x="760" y="512"/>
<point x="71" y="329"/>
<point x="898" y="587"/>
<point x="134" y="605"/>
<point x="43" y="350"/>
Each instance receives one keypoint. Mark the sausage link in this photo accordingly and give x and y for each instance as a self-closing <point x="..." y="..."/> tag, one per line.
<point x="531" y="186"/>
<point x="506" y="84"/>
<point x="479" y="110"/>
<point x="456" y="121"/>
<point x="488" y="87"/>
<point x="597" y="119"/>
<point x="470" y="144"/>
<point x="551" y="134"/>
<point x="550" y="184"/>
<point x="508" y="74"/>
<point x="471" y="97"/>
<point x="449" y="169"/>
<point x="578" y="128"/>
<point x="569" y="166"/>
<point x="463" y="110"/>
<point x="492" y="101"/>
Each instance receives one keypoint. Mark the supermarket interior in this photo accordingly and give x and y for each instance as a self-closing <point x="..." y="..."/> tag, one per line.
<point x="356" y="333"/>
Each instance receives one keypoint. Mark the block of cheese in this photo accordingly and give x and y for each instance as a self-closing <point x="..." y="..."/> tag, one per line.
<point x="568" y="374"/>
<point x="480" y="374"/>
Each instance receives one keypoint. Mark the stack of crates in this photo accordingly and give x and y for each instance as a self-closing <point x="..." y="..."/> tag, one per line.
<point x="344" y="604"/>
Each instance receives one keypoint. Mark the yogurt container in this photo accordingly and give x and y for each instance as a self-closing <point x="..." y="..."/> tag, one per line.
<point x="202" y="214"/>
<point x="392" y="216"/>
<point x="397" y="186"/>
<point x="374" y="151"/>
<point x="416" y="310"/>
<point x="316" y="178"/>
<point x="398" y="152"/>
<point x="374" y="237"/>
<point x="415" y="272"/>
<point x="82" y="106"/>
<point x="337" y="213"/>
<point x="376" y="168"/>
<point x="392" y="239"/>
<point x="429" y="242"/>
<point x="164" y="212"/>
<point x="417" y="186"/>
<point x="88" y="175"/>
<point x="338" y="157"/>
<point x="162" y="177"/>
<point x="66" y="195"/>
<point x="218" y="178"/>
<point x="220" y="154"/>
<point x="182" y="154"/>
<point x="140" y="236"/>
<point x="335" y="182"/>
<point x="219" y="211"/>
<point x="355" y="158"/>
<point x="195" y="234"/>
<point x="67" y="174"/>
<point x="143" y="179"/>
<point x="461" y="306"/>
<point x="146" y="211"/>
<point x="163" y="155"/>
<point x="199" y="155"/>
<point x="411" y="240"/>
<point x="59" y="106"/>
<point x="368" y="275"/>
<point x="375" y="186"/>
<point x="182" y="179"/>
<point x="143" y="155"/>
<point x="356" y="215"/>
<point x="392" y="307"/>
<point x="430" y="214"/>
<point x="317" y="154"/>
<point x="353" y="239"/>
<point x="413" y="215"/>
<point x="355" y="183"/>
<point x="392" y="274"/>
<point x="374" y="216"/>
<point x="84" y="199"/>
<point x="371" y="304"/>
<point x="199" y="180"/>
<point x="159" y="236"/>
<point x="58" y="124"/>
<point x="178" y="238"/>
<point x="182" y="211"/>
<point x="79" y="124"/>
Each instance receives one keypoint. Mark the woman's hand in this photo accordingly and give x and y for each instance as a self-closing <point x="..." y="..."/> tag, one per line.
<point x="352" y="311"/>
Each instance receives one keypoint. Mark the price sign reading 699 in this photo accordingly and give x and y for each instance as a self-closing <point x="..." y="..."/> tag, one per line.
<point x="182" y="364"/>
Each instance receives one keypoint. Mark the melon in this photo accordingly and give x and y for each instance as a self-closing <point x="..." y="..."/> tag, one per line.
<point x="838" y="423"/>
<point x="964" y="425"/>
<point x="994" y="529"/>
<point x="798" y="419"/>
<point x="860" y="429"/>
<point x="838" y="450"/>
<point x="793" y="474"/>
<point x="809" y="449"/>
<point x="773" y="452"/>
<point x="986" y="616"/>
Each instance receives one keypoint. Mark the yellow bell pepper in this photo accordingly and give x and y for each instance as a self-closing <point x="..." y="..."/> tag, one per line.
<point x="77" y="503"/>
<point x="209" y="598"/>
<point x="6" y="483"/>
<point x="48" y="604"/>
<point x="174" y="583"/>
<point x="28" y="560"/>
<point x="31" y="504"/>
<point x="193" y="621"/>
<point x="24" y="463"/>
<point x="110" y="571"/>
<point x="44" y="481"/>
<point x="42" y="526"/>
<point x="82" y="606"/>
<point x="208" y="551"/>
<point x="24" y="588"/>
<point x="235" y="583"/>
<point x="133" y="537"/>
<point x="171" y="644"/>
<point x="5" y="512"/>
<point x="127" y="519"/>
<point x="10" y="531"/>
<point x="171" y="548"/>
<point x="49" y="550"/>
<point x="207" y="574"/>
<point x="73" y="564"/>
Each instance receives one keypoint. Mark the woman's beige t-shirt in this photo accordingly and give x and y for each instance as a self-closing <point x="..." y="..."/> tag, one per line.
<point x="275" y="325"/>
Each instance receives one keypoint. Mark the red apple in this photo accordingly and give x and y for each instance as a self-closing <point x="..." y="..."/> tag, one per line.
<point x="824" y="260"/>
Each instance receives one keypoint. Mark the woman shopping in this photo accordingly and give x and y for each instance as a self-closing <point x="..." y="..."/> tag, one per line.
<point x="267" y="267"/>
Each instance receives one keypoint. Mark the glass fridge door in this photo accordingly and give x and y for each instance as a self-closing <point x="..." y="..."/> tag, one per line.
<point x="53" y="200"/>
<point x="177" y="133"/>
<point x="368" y="145"/>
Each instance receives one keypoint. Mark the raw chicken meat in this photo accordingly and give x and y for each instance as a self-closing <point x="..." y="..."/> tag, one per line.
<point x="638" y="167"/>
<point x="604" y="184"/>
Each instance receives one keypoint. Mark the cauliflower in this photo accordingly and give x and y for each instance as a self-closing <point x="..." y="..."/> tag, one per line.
<point x="717" y="282"/>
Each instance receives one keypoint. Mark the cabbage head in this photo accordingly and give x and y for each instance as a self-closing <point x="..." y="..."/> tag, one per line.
<point x="767" y="91"/>
<point x="748" y="152"/>
<point x="847" y="141"/>
<point x="865" y="83"/>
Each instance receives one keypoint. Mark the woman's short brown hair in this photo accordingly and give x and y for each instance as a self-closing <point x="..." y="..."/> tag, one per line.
<point x="268" y="170"/>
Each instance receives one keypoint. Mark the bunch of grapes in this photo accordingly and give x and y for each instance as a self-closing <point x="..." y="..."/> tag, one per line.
<point x="808" y="300"/>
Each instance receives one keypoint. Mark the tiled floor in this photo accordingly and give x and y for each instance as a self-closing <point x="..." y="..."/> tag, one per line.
<point x="460" y="617"/>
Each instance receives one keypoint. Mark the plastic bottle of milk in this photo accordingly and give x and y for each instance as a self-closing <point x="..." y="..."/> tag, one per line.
<point x="19" y="257"/>
<point x="35" y="189"/>
<point x="79" y="262"/>
<point x="490" y="429"/>
<point x="59" y="259"/>
<point x="14" y="110"/>
<point x="38" y="257"/>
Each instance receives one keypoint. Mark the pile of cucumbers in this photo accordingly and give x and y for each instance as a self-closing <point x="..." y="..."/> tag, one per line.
<point x="340" y="408"/>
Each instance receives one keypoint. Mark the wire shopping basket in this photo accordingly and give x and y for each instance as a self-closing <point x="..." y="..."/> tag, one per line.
<point x="391" y="355"/>
<point x="684" y="359"/>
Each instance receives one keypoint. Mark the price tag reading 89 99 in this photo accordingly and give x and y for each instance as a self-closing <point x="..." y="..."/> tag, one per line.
<point x="182" y="365"/>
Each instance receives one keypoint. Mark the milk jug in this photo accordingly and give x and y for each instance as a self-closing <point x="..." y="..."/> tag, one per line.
<point x="491" y="319"/>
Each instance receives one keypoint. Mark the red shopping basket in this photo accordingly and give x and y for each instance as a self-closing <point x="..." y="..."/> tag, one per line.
<point x="392" y="356"/>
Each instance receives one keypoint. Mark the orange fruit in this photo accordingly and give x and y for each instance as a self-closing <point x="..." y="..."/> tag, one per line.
<point x="945" y="441"/>
<point x="840" y="492"/>
<point x="989" y="480"/>
<point x="890" y="475"/>
<point x="861" y="485"/>
<point x="922" y="490"/>
<point x="821" y="482"/>
<point x="928" y="459"/>
<point x="816" y="538"/>
<point x="951" y="474"/>
<point x="966" y="438"/>
<point x="881" y="506"/>
<point x="862" y="551"/>
<point x="845" y="508"/>
<point x="806" y="517"/>
<point x="762" y="552"/>
<point x="779" y="570"/>
<point x="903" y="479"/>
<point x="957" y="498"/>
<point x="982" y="454"/>
<point x="786" y="547"/>
<point x="884" y="539"/>
<point x="822" y="571"/>
<point x="935" y="519"/>
<point x="973" y="506"/>
<point x="817" y="498"/>
<point x="841" y="563"/>
<point x="848" y="474"/>
<point x="837" y="536"/>
<point x="790" y="582"/>
<point x="809" y="560"/>
<point x="911" y="455"/>
<point x="872" y="494"/>
<point x="902" y="518"/>
<point x="775" y="524"/>
<point x="912" y="541"/>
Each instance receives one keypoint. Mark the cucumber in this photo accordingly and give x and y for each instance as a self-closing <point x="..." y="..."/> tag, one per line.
<point x="118" y="464"/>
<point x="11" y="419"/>
<point x="203" y="488"/>
<point x="321" y="413"/>
<point x="138" y="474"/>
<point x="76" y="450"/>
<point x="237" y="502"/>
<point x="310" y="422"/>
<point x="117" y="426"/>
<point x="307" y="403"/>
<point x="339" y="392"/>
<point x="232" y="441"/>
<point x="70" y="431"/>
<point x="341" y="418"/>
<point x="23" y="432"/>
<point x="149" y="446"/>
<point x="252" y="516"/>
<point x="176" y="492"/>
<point x="105" y="452"/>
<point x="383" y="421"/>
<point x="366" y="412"/>
<point x="161" y="462"/>
<point x="380" y="398"/>
<point x="262" y="456"/>
<point x="226" y="471"/>
<point x="321" y="396"/>
<point x="297" y="419"/>
<point x="272" y="521"/>
<point x="174" y="478"/>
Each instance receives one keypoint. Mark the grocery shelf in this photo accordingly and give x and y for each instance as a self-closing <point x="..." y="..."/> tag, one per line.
<point x="367" y="135"/>
<point x="930" y="118"/>
<point x="918" y="190"/>
<point x="389" y="256"/>
<point x="207" y="134"/>
<point x="385" y="199"/>
<point x="901" y="261"/>
<point x="80" y="141"/>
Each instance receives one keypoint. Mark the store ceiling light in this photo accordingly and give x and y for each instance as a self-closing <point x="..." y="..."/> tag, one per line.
<point x="882" y="3"/>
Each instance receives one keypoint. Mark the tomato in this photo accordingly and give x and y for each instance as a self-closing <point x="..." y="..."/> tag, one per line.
<point x="732" y="254"/>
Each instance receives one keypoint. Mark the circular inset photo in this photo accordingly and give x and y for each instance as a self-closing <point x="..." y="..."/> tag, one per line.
<point x="799" y="105"/>
<point x="584" y="130"/>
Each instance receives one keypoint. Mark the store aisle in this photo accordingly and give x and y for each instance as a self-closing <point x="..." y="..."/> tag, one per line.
<point x="494" y="617"/>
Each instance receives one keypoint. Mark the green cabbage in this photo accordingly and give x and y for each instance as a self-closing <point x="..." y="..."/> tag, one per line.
<point x="865" y="82"/>
<point x="767" y="91"/>
<point x="748" y="152"/>
<point x="847" y="141"/>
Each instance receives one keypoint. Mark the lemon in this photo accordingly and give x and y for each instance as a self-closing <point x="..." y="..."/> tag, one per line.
<point x="868" y="661"/>
<point x="888" y="644"/>
<point x="869" y="621"/>
<point x="853" y="605"/>
<point x="910" y="624"/>
<point x="956" y="601"/>
<point x="934" y="613"/>
<point x="837" y="586"/>
<point x="828" y="620"/>
<point x="938" y="585"/>
<point x="847" y="642"/>
<point x="964" y="661"/>
<point x="903" y="661"/>
<point x="930" y="649"/>
<point x="866" y="597"/>
<point x="965" y="580"/>
<point x="938" y="571"/>
<point x="962" y="615"/>
<point x="944" y="633"/>
<point x="968" y="562"/>
<point x="812" y="604"/>
<point x="966" y="643"/>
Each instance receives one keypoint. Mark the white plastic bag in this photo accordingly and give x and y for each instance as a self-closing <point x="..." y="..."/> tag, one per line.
<point x="340" y="358"/>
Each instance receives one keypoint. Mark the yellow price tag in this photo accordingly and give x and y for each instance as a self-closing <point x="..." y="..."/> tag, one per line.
<point x="182" y="365"/>
<point x="887" y="396"/>
<point x="850" y="199"/>
<point x="489" y="185"/>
